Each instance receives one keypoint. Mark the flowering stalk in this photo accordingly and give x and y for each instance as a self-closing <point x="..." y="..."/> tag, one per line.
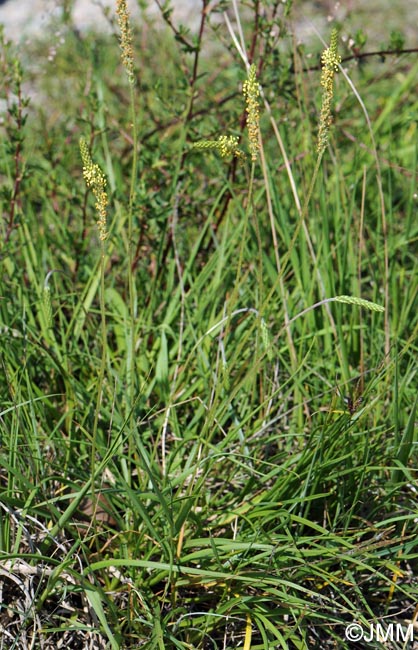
<point x="251" y="92"/>
<point x="126" y="40"/>
<point x="127" y="57"/>
<point x="95" y="180"/>
<point x="226" y="145"/>
<point x="330" y="62"/>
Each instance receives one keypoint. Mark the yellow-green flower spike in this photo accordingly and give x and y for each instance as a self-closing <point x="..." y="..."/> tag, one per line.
<point x="330" y="62"/>
<point x="361" y="302"/>
<point x="227" y="145"/>
<point x="95" y="180"/>
<point x="251" y="91"/>
<point x="126" y="39"/>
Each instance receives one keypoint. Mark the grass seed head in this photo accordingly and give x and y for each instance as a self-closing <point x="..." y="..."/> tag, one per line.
<point x="330" y="62"/>
<point x="251" y="91"/>
<point x="227" y="145"/>
<point x="126" y="39"/>
<point x="95" y="179"/>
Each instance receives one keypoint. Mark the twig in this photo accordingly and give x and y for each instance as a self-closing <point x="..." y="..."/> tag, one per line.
<point x="363" y="55"/>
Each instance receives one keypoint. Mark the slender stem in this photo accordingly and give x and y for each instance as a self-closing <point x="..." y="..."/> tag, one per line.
<point x="134" y="174"/>
<point x="102" y="370"/>
<point x="249" y="204"/>
<point x="130" y="365"/>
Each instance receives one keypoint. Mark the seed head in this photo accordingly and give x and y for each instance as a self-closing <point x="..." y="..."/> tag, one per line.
<point x="126" y="39"/>
<point x="227" y="145"/>
<point x="95" y="179"/>
<point x="251" y="91"/>
<point x="330" y="62"/>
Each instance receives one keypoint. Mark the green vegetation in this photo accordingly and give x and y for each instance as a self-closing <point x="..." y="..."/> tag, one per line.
<point x="208" y="402"/>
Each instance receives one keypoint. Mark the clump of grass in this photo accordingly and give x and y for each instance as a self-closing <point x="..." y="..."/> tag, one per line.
<point x="186" y="433"/>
